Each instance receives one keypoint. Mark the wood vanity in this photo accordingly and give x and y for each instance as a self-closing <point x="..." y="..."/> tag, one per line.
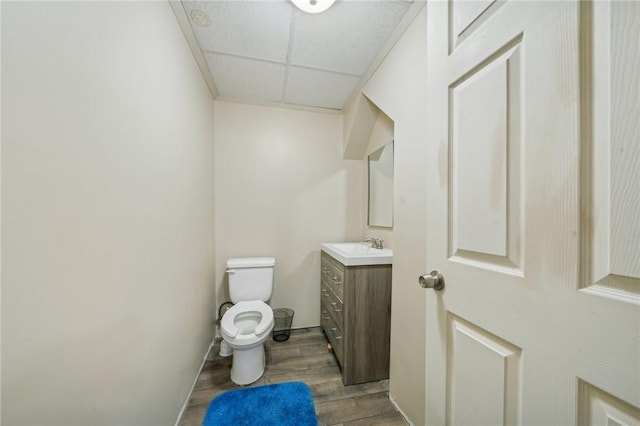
<point x="355" y="313"/>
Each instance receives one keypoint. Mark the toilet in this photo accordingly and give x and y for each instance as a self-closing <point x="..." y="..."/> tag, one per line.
<point x="247" y="325"/>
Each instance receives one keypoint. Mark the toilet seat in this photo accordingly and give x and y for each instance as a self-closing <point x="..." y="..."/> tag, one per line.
<point x="228" y="326"/>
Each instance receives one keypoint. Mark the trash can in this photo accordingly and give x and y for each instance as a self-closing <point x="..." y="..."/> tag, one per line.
<point x="282" y="319"/>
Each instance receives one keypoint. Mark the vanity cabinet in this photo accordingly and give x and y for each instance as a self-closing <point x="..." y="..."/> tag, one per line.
<point x="355" y="311"/>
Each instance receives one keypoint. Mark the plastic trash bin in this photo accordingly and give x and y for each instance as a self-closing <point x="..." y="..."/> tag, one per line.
<point x="282" y="319"/>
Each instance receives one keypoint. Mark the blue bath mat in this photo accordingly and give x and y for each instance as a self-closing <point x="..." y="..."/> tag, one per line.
<point x="282" y="404"/>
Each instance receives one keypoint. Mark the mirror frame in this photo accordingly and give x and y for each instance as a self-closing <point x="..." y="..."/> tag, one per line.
<point x="372" y="191"/>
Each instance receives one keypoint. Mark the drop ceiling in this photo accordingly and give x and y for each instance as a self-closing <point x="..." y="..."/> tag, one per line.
<point x="271" y="52"/>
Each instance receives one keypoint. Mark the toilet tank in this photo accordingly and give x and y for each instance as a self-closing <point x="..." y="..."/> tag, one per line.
<point x="250" y="278"/>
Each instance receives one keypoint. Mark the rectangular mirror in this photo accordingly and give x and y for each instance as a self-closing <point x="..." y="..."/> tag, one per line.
<point x="381" y="187"/>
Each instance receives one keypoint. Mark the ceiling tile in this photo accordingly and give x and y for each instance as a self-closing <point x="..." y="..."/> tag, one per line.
<point x="346" y="37"/>
<point x="247" y="78"/>
<point x="318" y="88"/>
<point x="257" y="29"/>
<point x="268" y="50"/>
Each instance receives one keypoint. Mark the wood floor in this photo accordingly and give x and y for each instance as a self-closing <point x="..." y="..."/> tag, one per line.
<point x="304" y="357"/>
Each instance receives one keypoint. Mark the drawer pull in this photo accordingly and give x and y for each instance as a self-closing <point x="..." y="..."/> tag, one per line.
<point x="325" y="269"/>
<point x="336" y="280"/>
<point x="334" y="307"/>
<point x="333" y="331"/>
<point x="325" y="316"/>
<point x="324" y="293"/>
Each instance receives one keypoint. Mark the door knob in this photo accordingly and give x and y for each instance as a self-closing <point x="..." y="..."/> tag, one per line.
<point x="434" y="280"/>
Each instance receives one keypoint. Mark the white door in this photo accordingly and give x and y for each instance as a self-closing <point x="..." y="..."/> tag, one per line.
<point x="534" y="213"/>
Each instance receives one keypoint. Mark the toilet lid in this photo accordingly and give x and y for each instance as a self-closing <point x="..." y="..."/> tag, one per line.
<point x="228" y="320"/>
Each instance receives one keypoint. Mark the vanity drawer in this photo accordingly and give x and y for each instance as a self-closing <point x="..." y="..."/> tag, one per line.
<point x="333" y="332"/>
<point x="332" y="275"/>
<point x="333" y="305"/>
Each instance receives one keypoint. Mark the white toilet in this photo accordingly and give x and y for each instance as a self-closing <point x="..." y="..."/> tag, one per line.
<point x="247" y="325"/>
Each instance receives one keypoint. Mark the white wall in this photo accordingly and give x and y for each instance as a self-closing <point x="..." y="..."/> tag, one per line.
<point x="398" y="88"/>
<point x="282" y="189"/>
<point x="107" y="214"/>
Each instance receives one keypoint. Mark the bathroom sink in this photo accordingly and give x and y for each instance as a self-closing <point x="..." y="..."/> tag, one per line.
<point x="356" y="254"/>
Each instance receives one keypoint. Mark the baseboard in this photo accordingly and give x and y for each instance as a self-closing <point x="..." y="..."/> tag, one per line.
<point x="300" y="327"/>
<point x="186" y="402"/>
<point x="404" y="416"/>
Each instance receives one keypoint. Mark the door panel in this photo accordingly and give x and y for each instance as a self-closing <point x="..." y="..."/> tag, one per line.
<point x="466" y="16"/>
<point x="612" y="152"/>
<point x="484" y="376"/>
<point x="597" y="407"/>
<point x="534" y="207"/>
<point x="485" y="164"/>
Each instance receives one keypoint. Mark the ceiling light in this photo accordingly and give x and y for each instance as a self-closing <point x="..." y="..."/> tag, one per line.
<point x="313" y="6"/>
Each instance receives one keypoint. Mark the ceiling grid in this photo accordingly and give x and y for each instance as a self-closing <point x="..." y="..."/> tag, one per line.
<point x="270" y="51"/>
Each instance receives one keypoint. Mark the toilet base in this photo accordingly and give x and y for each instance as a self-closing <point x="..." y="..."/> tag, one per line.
<point x="247" y="365"/>
<point x="225" y="349"/>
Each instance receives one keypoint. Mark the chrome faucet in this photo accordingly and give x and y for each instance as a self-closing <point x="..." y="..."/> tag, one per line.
<point x="375" y="242"/>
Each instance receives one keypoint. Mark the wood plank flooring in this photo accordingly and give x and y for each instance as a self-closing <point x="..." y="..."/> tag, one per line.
<point x="304" y="357"/>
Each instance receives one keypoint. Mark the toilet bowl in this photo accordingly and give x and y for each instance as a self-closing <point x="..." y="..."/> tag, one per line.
<point x="245" y="327"/>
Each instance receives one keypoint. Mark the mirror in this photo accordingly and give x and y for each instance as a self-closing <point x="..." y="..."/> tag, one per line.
<point x="381" y="187"/>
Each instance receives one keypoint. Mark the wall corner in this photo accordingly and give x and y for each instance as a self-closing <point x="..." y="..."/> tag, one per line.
<point x="360" y="115"/>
